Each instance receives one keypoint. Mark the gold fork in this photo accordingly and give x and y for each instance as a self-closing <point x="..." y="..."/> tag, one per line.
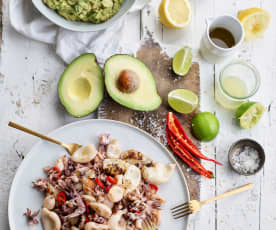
<point x="71" y="148"/>
<point x="149" y="224"/>
<point x="194" y="206"/>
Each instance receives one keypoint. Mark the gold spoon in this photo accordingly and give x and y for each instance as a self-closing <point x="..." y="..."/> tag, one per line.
<point x="71" y="148"/>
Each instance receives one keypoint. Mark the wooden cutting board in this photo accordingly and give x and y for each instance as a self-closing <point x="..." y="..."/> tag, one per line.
<point x="155" y="122"/>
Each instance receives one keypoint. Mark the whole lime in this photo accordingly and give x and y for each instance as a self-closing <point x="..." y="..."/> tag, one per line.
<point x="205" y="126"/>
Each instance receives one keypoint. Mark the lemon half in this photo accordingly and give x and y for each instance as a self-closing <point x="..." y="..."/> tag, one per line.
<point x="255" y="21"/>
<point x="175" y="13"/>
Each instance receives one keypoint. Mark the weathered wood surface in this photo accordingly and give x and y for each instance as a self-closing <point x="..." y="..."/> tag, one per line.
<point x="154" y="122"/>
<point x="30" y="71"/>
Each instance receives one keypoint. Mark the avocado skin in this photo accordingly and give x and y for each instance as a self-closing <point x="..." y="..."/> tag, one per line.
<point x="130" y="105"/>
<point x="63" y="76"/>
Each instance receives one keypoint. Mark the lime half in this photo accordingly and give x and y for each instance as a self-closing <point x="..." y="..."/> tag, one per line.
<point x="182" y="61"/>
<point x="183" y="100"/>
<point x="249" y="113"/>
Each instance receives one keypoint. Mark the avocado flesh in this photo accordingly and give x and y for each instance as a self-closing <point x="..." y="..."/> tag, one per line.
<point x="81" y="86"/>
<point x="145" y="97"/>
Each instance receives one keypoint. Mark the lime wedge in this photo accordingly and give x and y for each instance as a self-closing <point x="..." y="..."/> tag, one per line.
<point x="249" y="113"/>
<point x="183" y="100"/>
<point x="182" y="61"/>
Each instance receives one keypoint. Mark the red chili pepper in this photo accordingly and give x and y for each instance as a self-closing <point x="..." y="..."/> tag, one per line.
<point x="154" y="187"/>
<point x="108" y="188"/>
<point x="87" y="219"/>
<point x="178" y="131"/>
<point x="111" y="179"/>
<point x="57" y="170"/>
<point x="186" y="156"/>
<point x="61" y="198"/>
<point x="183" y="155"/>
<point x="192" y="161"/>
<point x="87" y="208"/>
<point x="98" y="181"/>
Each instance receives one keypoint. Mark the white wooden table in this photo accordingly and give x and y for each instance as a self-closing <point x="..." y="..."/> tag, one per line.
<point x="30" y="71"/>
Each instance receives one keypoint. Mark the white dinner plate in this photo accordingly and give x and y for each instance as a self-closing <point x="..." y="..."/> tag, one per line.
<point x="23" y="195"/>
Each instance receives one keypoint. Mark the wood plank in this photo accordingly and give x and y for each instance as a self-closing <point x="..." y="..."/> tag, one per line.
<point x="155" y="122"/>
<point x="150" y="25"/>
<point x="205" y="219"/>
<point x="264" y="56"/>
<point x="241" y="211"/>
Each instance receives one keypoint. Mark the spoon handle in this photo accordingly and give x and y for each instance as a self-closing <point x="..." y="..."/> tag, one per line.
<point x="32" y="132"/>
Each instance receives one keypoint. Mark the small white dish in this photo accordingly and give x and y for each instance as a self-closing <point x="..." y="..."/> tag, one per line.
<point x="23" y="195"/>
<point x="81" y="26"/>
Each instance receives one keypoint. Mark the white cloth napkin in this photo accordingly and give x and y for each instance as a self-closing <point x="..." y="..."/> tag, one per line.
<point x="28" y="21"/>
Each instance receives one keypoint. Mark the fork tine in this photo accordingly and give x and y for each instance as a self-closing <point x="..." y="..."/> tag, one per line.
<point x="148" y="225"/>
<point x="154" y="225"/>
<point x="179" y="206"/>
<point x="151" y="224"/>
<point x="144" y="226"/>
<point x="181" y="211"/>
<point x="184" y="214"/>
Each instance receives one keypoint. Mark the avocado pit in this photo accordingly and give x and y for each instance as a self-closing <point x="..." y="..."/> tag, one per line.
<point x="128" y="81"/>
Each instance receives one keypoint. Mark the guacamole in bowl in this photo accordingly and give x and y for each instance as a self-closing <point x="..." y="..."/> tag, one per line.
<point x="82" y="25"/>
<point x="95" y="11"/>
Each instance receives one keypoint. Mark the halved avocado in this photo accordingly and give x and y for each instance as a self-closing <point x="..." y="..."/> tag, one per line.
<point x="130" y="83"/>
<point x="81" y="86"/>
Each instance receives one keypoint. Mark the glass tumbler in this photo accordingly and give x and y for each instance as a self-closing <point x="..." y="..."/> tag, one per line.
<point x="238" y="81"/>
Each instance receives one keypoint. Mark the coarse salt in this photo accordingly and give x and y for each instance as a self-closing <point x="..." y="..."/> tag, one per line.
<point x="246" y="159"/>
